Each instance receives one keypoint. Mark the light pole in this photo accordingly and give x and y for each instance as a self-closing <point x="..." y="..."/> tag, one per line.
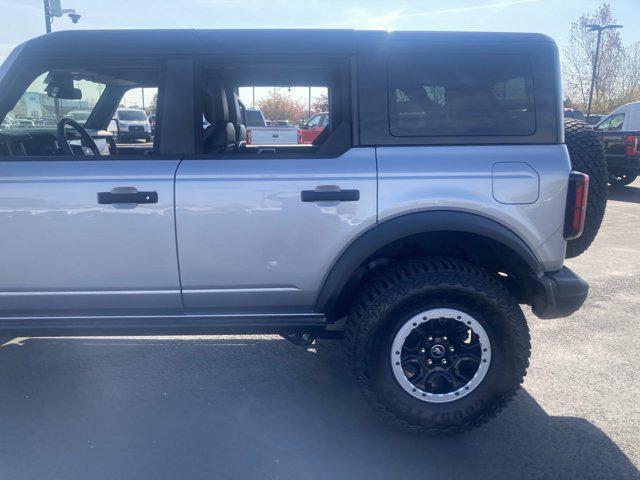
<point x="52" y="9"/>
<point x="599" y="29"/>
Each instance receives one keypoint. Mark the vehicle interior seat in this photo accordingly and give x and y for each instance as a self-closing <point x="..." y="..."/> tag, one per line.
<point x="235" y="117"/>
<point x="220" y="135"/>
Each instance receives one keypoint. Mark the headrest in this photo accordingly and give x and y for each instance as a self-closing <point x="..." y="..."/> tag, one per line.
<point x="215" y="106"/>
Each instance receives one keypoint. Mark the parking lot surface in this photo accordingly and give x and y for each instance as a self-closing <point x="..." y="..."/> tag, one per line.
<point x="259" y="407"/>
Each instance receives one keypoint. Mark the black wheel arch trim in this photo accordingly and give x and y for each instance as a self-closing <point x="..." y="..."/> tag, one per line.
<point x="404" y="226"/>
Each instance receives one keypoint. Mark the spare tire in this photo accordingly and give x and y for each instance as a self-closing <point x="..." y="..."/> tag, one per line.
<point x="587" y="156"/>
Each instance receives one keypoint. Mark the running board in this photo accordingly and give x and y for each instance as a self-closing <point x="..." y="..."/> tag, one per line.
<point x="187" y="324"/>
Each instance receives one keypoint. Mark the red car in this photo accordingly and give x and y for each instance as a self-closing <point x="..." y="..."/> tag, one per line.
<point x="313" y="127"/>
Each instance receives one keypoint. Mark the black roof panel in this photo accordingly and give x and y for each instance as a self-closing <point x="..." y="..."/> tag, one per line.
<point x="237" y="42"/>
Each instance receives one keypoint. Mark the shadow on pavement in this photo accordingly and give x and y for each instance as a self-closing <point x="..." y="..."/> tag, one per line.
<point x="625" y="194"/>
<point x="251" y="408"/>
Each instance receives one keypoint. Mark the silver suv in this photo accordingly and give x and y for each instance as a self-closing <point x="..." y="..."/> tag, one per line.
<point x="438" y="199"/>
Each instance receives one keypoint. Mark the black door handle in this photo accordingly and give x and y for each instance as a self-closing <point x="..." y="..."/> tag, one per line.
<point x="330" y="195"/>
<point x="108" y="198"/>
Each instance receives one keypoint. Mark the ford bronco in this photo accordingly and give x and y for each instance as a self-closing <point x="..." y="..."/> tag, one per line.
<point x="438" y="199"/>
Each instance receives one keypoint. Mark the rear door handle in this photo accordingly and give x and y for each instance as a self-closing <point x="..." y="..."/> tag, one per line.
<point x="109" y="198"/>
<point x="330" y="195"/>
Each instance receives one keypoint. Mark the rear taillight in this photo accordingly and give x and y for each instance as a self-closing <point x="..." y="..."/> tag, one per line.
<point x="631" y="142"/>
<point x="248" y="137"/>
<point x="576" y="205"/>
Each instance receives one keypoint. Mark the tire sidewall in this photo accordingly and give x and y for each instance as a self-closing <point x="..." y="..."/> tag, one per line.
<point x="497" y="382"/>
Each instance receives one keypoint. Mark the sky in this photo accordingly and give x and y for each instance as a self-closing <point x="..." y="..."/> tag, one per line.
<point x="21" y="20"/>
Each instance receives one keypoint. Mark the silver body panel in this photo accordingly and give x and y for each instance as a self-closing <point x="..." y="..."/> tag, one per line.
<point x="463" y="178"/>
<point x="246" y="241"/>
<point x="243" y="241"/>
<point x="62" y="252"/>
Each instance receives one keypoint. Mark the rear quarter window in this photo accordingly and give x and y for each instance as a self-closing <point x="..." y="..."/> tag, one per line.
<point x="460" y="95"/>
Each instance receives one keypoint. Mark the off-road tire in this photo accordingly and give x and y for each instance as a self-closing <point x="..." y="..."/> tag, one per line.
<point x="407" y="287"/>
<point x="618" y="180"/>
<point x="587" y="156"/>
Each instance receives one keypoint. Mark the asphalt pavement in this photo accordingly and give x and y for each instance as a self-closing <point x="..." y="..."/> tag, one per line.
<point x="260" y="408"/>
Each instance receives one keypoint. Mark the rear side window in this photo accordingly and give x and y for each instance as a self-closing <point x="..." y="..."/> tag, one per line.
<point x="460" y="95"/>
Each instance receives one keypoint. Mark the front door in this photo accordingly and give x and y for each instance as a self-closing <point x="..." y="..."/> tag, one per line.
<point x="87" y="236"/>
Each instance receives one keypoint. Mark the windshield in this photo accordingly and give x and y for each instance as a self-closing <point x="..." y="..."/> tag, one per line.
<point x="132" y="115"/>
<point x="36" y="109"/>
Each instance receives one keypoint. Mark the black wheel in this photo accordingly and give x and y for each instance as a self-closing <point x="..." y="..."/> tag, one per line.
<point x="437" y="344"/>
<point x="587" y="156"/>
<point x="622" y="179"/>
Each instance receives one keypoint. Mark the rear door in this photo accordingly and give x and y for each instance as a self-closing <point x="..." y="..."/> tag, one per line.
<point x="258" y="229"/>
<point x="249" y="242"/>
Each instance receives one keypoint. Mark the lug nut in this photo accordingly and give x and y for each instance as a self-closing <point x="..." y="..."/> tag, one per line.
<point x="422" y="350"/>
<point x="444" y="361"/>
<point x="430" y="339"/>
<point x="444" y="338"/>
<point x="451" y="349"/>
<point x="429" y="361"/>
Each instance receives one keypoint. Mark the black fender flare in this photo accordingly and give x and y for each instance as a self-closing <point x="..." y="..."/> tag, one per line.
<point x="407" y="225"/>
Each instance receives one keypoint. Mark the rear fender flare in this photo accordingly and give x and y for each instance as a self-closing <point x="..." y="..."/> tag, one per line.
<point x="371" y="241"/>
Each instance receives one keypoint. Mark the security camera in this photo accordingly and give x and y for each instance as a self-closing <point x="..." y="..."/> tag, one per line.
<point x="75" y="17"/>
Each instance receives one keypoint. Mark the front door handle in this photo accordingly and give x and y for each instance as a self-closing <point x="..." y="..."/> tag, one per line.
<point x="109" y="198"/>
<point x="330" y="195"/>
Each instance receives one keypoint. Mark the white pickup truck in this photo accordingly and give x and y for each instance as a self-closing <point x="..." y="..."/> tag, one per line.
<point x="258" y="133"/>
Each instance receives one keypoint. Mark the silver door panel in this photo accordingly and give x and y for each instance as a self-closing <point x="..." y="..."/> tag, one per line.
<point x="247" y="242"/>
<point x="61" y="251"/>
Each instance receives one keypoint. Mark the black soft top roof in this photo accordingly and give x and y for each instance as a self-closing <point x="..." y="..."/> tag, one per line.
<point x="234" y="42"/>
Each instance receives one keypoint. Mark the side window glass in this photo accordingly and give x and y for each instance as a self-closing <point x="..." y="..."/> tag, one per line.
<point x="135" y="118"/>
<point x="85" y="95"/>
<point x="604" y="125"/>
<point x="616" y="122"/>
<point x="51" y="97"/>
<point x="314" y="121"/>
<point x="280" y="115"/>
<point x="461" y="95"/>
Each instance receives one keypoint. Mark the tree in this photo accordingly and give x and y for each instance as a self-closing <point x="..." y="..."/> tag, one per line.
<point x="618" y="69"/>
<point x="320" y="104"/>
<point x="276" y="106"/>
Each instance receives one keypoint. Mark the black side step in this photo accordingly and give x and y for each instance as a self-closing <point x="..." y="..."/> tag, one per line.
<point x="187" y="324"/>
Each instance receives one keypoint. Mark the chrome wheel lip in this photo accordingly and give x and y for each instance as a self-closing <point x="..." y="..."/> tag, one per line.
<point x="423" y="317"/>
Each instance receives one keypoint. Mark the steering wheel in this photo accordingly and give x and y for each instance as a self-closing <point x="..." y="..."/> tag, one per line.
<point x="85" y="138"/>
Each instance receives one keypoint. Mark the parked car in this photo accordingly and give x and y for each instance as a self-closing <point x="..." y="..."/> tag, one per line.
<point x="574" y="113"/>
<point x="259" y="133"/>
<point x="593" y="119"/>
<point x="414" y="227"/>
<point x="620" y="134"/>
<point x="79" y="116"/>
<point x="279" y="123"/>
<point x="133" y="124"/>
<point x="310" y="130"/>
